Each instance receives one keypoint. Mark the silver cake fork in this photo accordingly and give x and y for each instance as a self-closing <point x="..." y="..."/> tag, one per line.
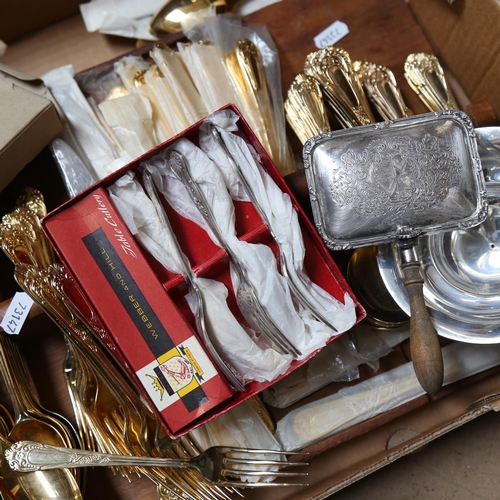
<point x="201" y="324"/>
<point x="246" y="294"/>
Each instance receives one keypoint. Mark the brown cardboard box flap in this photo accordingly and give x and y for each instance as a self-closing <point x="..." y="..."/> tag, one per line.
<point x="464" y="36"/>
<point x="29" y="121"/>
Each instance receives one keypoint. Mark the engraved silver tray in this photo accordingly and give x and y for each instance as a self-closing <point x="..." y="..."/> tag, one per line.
<point x="395" y="180"/>
<point x="461" y="272"/>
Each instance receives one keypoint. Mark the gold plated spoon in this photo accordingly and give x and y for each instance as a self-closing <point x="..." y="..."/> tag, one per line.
<point x="57" y="484"/>
<point x="167" y="20"/>
<point x="61" y="486"/>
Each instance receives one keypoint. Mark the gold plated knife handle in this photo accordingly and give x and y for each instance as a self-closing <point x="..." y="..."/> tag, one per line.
<point x="305" y="108"/>
<point x="332" y="68"/>
<point x="425" y="76"/>
<point x="382" y="90"/>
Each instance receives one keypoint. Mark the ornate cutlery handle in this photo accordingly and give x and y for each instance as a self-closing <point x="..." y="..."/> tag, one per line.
<point x="28" y="456"/>
<point x="426" y="77"/>
<point x="177" y="164"/>
<point x="332" y="68"/>
<point x="381" y="88"/>
<point x="305" y="108"/>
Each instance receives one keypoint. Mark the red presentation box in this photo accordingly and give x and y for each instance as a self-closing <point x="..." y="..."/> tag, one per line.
<point x="142" y="304"/>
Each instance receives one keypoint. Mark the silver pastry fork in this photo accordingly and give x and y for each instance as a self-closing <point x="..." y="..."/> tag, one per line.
<point x="291" y="277"/>
<point x="246" y="295"/>
<point x="218" y="464"/>
<point x="201" y="324"/>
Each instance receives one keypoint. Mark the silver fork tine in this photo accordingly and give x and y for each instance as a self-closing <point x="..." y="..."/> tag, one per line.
<point x="258" y="451"/>
<point x="263" y="473"/>
<point x="259" y="484"/>
<point x="254" y="461"/>
<point x="221" y="490"/>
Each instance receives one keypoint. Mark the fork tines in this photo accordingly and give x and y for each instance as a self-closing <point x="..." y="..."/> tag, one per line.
<point x="245" y="460"/>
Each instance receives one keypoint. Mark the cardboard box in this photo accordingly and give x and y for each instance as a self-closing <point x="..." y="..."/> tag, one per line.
<point x="29" y="121"/>
<point x="384" y="32"/>
<point x="19" y="19"/>
<point x="96" y="246"/>
<point x="464" y="36"/>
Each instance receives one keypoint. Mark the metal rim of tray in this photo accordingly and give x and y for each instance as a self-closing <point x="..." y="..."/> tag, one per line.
<point x="335" y="185"/>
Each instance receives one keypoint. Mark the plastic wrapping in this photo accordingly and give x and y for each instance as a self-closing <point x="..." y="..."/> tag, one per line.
<point x="252" y="64"/>
<point x="102" y="84"/>
<point x="91" y="136"/>
<point x="230" y="338"/>
<point x="350" y="406"/>
<point x="131" y="119"/>
<point x="259" y="261"/>
<point x="179" y="89"/>
<point x="335" y="363"/>
<point x="127" y="68"/>
<point x="208" y="73"/>
<point x="131" y="70"/>
<point x="127" y="18"/>
<point x="171" y="117"/>
<point x="75" y="175"/>
<point x="240" y="427"/>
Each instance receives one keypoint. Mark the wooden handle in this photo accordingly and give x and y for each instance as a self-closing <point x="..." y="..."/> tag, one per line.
<point x="424" y="342"/>
<point x="482" y="114"/>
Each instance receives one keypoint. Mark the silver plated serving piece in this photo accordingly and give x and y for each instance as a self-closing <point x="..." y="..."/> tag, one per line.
<point x="394" y="182"/>
<point x="488" y="143"/>
<point x="461" y="269"/>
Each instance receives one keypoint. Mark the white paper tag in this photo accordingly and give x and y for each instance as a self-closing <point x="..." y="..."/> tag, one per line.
<point x="331" y="35"/>
<point x="17" y="313"/>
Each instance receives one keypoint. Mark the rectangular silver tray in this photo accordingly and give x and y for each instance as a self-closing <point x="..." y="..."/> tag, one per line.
<point x="395" y="180"/>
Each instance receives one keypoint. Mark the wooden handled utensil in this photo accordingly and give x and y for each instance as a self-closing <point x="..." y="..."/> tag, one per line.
<point x="395" y="181"/>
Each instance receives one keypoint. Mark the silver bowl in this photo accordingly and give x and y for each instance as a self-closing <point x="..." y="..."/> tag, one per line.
<point x="461" y="269"/>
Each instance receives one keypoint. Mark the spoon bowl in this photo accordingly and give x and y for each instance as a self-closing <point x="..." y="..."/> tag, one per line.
<point x="35" y="485"/>
<point x="167" y="20"/>
<point x="31" y="423"/>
